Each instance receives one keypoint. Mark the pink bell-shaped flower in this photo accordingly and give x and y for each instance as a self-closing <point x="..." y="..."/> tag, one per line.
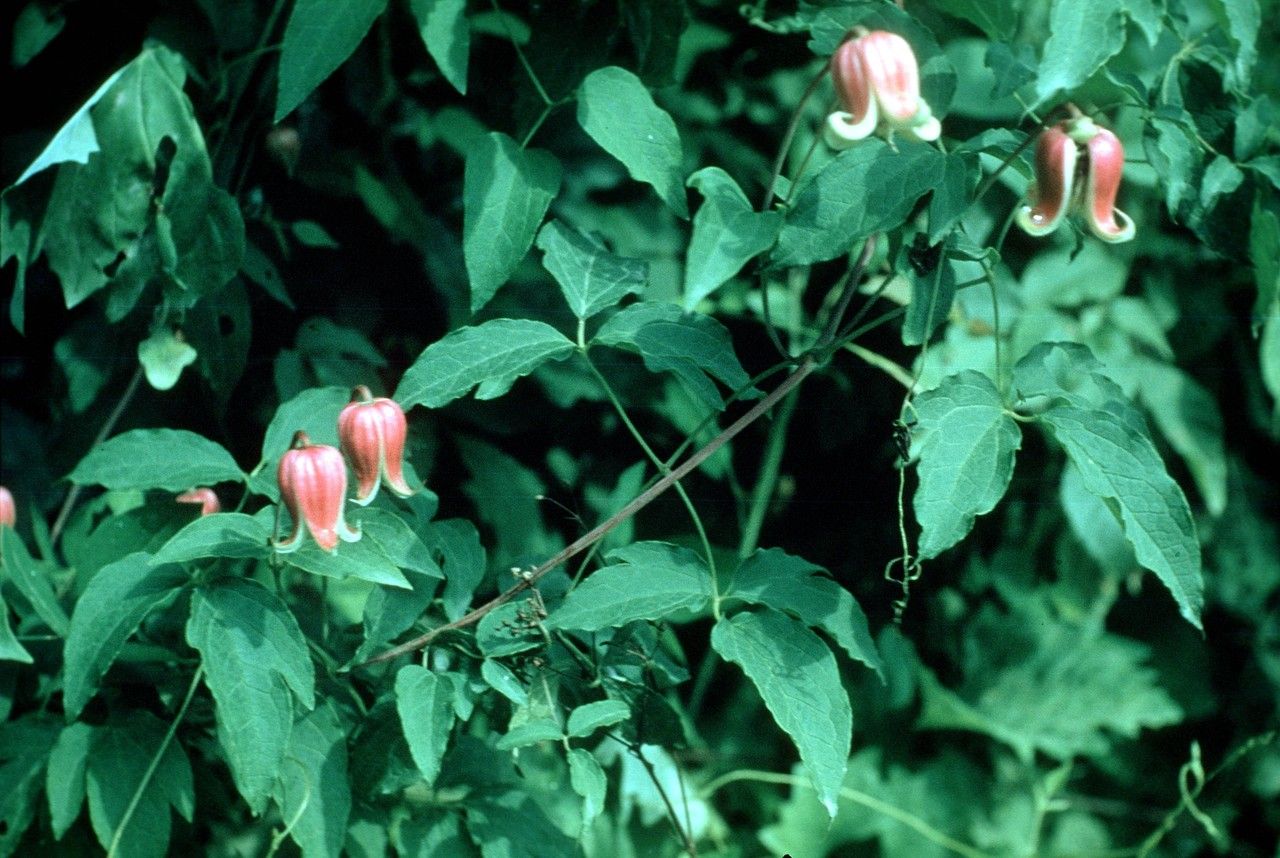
<point x="8" y="509"/>
<point x="313" y="485"/>
<point x="1084" y="186"/>
<point x="878" y="83"/>
<point x="372" y="433"/>
<point x="207" y="498"/>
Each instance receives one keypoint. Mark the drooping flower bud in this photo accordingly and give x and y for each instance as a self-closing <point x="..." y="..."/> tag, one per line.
<point x="1086" y="186"/>
<point x="372" y="433"/>
<point x="8" y="509"/>
<point x="207" y="498"/>
<point x="313" y="485"/>
<point x="878" y="82"/>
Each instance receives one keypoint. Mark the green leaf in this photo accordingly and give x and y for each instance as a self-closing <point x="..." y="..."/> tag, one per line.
<point x="1083" y="34"/>
<point x="396" y="539"/>
<point x="1188" y="417"/>
<point x="530" y="733"/>
<point x="781" y="581"/>
<point x="109" y="611"/>
<point x="312" y="234"/>
<point x="31" y="581"/>
<point x="695" y="347"/>
<point x="10" y="648"/>
<point x="997" y="20"/>
<point x="458" y="542"/>
<point x="797" y="677"/>
<point x="444" y="30"/>
<point x="390" y="611"/>
<point x="953" y="195"/>
<point x="24" y="749"/>
<point x="120" y="759"/>
<point x="313" y="788"/>
<point x="75" y="140"/>
<point x="171" y="459"/>
<point x="364" y="559"/>
<point x="35" y="27"/>
<point x="314" y="411"/>
<point x="932" y="294"/>
<point x="222" y="534"/>
<point x="1051" y="688"/>
<point x="863" y="190"/>
<point x="319" y="37"/>
<point x="506" y="192"/>
<point x="588" y="780"/>
<point x="492" y="355"/>
<point x="965" y="442"/>
<point x="65" y="778"/>
<point x="507" y="496"/>
<point x="589" y="717"/>
<point x="1107" y="440"/>
<point x="1242" y="20"/>
<point x="500" y="678"/>
<point x="616" y="110"/>
<point x="727" y="234"/>
<point x="514" y="826"/>
<point x="1169" y="140"/>
<point x="591" y="278"/>
<point x="256" y="664"/>
<point x="644" y="581"/>
<point x="424" y="701"/>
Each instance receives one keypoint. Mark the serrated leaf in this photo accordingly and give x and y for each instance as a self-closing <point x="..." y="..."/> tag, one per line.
<point x="172" y="459"/>
<point x="797" y="677"/>
<point x="644" y="581"/>
<point x="492" y="355"/>
<point x="65" y="778"/>
<point x="588" y="780"/>
<point x="109" y="611"/>
<point x="458" y="541"/>
<point x="589" y="717"/>
<point x="952" y="197"/>
<point x="965" y="444"/>
<point x="997" y="20"/>
<point x="506" y="192"/>
<point x="863" y="190"/>
<point x="932" y="295"/>
<point x="791" y="584"/>
<point x="727" y="234"/>
<point x="75" y="140"/>
<point x="446" y="33"/>
<point x="256" y="665"/>
<point x="617" y="111"/>
<point x="313" y="788"/>
<point x="222" y="534"/>
<point x="1242" y="19"/>
<point x="31" y="581"/>
<point x="118" y="762"/>
<point x="1052" y="688"/>
<point x="1083" y="34"/>
<point x="319" y="37"/>
<point x="590" y="277"/>
<point x="424" y="701"/>
<point x="695" y="347"/>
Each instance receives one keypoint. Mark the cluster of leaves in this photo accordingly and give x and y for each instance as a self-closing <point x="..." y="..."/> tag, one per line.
<point x="1070" y="656"/>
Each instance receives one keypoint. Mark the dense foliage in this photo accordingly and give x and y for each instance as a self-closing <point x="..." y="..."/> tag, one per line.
<point x="779" y="477"/>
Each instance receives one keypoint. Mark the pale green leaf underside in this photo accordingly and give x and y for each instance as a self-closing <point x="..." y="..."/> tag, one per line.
<point x="172" y="459"/>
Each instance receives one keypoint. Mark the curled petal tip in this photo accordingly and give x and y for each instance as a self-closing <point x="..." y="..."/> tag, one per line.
<point x="1117" y="231"/>
<point x="841" y="130"/>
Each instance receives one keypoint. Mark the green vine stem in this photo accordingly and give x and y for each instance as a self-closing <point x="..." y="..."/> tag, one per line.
<point x="134" y="800"/>
<point x="868" y="801"/>
<point x="801" y="372"/>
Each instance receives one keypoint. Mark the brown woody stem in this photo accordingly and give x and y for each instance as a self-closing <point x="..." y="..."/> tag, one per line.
<point x="591" y="537"/>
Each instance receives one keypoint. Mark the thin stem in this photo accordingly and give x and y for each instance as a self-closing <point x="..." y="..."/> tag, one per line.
<point x="686" y="837"/>
<point x="663" y="469"/>
<point x="155" y="763"/>
<point x="882" y="363"/>
<point x="61" y="521"/>
<point x="524" y="61"/>
<point x="852" y="278"/>
<point x="537" y="123"/>
<point x="592" y="536"/>
<point x="272" y="17"/>
<point x="995" y="320"/>
<point x="767" y="482"/>
<point x="870" y="802"/>
<point x="995" y="174"/>
<point x="789" y="136"/>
